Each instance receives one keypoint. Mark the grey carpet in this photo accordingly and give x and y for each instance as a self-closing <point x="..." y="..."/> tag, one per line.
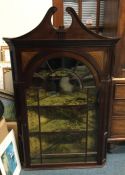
<point x="115" y="165"/>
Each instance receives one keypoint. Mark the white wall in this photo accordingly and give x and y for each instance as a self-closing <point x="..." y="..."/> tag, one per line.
<point x="18" y="17"/>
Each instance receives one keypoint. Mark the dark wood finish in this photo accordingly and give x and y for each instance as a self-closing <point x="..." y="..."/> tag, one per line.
<point x="117" y="110"/>
<point x="45" y="42"/>
<point x="118" y="127"/>
<point x="119" y="91"/>
<point x="114" y="25"/>
<point x="111" y="17"/>
<point x="80" y="8"/>
<point x="97" y="15"/>
<point x="120" y="51"/>
<point x="118" y="107"/>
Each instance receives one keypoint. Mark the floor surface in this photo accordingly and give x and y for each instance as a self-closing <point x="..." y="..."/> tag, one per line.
<point x="115" y="165"/>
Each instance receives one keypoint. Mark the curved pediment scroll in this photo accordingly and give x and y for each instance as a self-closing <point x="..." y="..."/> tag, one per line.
<point x="80" y="30"/>
<point x="46" y="31"/>
<point x="77" y="31"/>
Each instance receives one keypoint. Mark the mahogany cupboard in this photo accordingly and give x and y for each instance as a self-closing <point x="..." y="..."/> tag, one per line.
<point x="114" y="25"/>
<point x="62" y="78"/>
<point x="108" y="18"/>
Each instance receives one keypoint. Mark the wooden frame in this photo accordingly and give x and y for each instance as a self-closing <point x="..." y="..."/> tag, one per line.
<point x="5" y="54"/>
<point x="117" y="111"/>
<point x="9" y="159"/>
<point x="7" y="87"/>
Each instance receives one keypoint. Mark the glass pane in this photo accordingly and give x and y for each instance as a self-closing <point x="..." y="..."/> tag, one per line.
<point x="78" y="98"/>
<point x="32" y="97"/>
<point x="92" y="142"/>
<point x="63" y="119"/>
<point x="62" y="114"/>
<point x="92" y="92"/>
<point x="63" y="143"/>
<point x="62" y="148"/>
<point x="92" y="121"/>
<point x="33" y="119"/>
<point x="35" y="151"/>
<point x="67" y="158"/>
<point x="92" y="157"/>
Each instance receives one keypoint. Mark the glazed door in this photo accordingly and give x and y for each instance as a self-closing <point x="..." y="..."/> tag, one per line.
<point x="62" y="113"/>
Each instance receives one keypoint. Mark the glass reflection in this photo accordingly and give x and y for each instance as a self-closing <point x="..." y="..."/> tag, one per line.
<point x="61" y="110"/>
